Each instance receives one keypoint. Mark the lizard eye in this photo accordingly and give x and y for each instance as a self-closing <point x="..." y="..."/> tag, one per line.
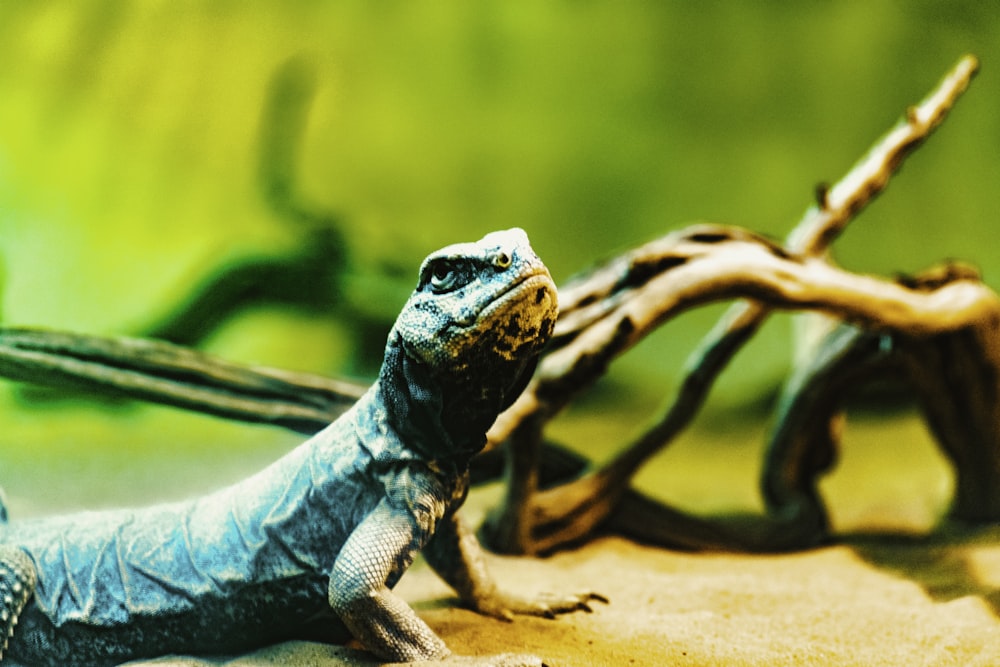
<point x="502" y="260"/>
<point x="444" y="277"/>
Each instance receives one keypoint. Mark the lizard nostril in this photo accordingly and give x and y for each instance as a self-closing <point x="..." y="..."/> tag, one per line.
<point x="502" y="260"/>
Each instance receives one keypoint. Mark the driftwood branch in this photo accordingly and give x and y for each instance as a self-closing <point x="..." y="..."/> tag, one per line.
<point x="173" y="375"/>
<point x="613" y="306"/>
<point x="954" y="374"/>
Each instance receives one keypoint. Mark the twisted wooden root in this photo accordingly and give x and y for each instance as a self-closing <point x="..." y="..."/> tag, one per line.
<point x="610" y="308"/>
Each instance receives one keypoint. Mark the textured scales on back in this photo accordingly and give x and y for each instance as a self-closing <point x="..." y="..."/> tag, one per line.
<point x="311" y="546"/>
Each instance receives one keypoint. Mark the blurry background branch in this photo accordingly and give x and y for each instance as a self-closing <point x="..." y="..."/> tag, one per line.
<point x="309" y="276"/>
<point x="173" y="375"/>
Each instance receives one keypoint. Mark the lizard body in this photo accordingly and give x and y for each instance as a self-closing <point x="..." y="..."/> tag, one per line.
<point x="311" y="546"/>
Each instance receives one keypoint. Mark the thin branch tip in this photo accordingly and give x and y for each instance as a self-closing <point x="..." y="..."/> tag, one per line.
<point x="822" y="192"/>
<point x="969" y="63"/>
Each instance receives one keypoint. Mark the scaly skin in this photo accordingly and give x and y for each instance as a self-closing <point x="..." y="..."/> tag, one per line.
<point x="311" y="546"/>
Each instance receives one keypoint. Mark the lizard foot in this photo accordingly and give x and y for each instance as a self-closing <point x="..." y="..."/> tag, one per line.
<point x="505" y="606"/>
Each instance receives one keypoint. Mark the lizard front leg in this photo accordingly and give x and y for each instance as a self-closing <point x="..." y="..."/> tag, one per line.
<point x="17" y="584"/>
<point x="456" y="555"/>
<point x="384" y="544"/>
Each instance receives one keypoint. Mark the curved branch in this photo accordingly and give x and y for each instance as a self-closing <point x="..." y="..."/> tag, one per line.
<point x="173" y="375"/>
<point x="741" y="269"/>
<point x="645" y="287"/>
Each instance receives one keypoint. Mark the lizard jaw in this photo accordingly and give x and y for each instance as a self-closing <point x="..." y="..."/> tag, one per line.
<point x="538" y="280"/>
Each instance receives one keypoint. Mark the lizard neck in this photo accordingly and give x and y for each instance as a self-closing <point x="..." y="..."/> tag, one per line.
<point x="437" y="418"/>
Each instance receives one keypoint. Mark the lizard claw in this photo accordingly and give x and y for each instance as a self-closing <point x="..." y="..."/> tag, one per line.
<point x="506" y="606"/>
<point x="553" y="605"/>
<point x="583" y="601"/>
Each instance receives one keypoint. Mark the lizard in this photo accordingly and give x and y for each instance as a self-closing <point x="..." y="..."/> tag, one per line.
<point x="311" y="547"/>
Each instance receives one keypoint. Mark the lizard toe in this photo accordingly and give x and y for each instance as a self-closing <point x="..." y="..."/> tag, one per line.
<point x="555" y="605"/>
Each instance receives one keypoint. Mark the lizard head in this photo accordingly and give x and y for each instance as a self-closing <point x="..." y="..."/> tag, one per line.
<point x="471" y="332"/>
<point x="480" y="304"/>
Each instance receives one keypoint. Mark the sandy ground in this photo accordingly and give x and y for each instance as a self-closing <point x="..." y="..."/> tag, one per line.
<point x="872" y="600"/>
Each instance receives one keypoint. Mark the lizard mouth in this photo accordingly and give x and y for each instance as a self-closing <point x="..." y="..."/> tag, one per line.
<point x="536" y="285"/>
<point x="536" y="279"/>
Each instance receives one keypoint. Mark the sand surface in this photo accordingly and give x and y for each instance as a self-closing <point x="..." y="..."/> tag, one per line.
<point x="873" y="600"/>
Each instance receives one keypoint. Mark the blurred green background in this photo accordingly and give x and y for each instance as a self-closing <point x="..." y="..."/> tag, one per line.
<point x="132" y="137"/>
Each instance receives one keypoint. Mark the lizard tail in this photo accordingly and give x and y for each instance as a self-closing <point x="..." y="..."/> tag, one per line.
<point x="17" y="584"/>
